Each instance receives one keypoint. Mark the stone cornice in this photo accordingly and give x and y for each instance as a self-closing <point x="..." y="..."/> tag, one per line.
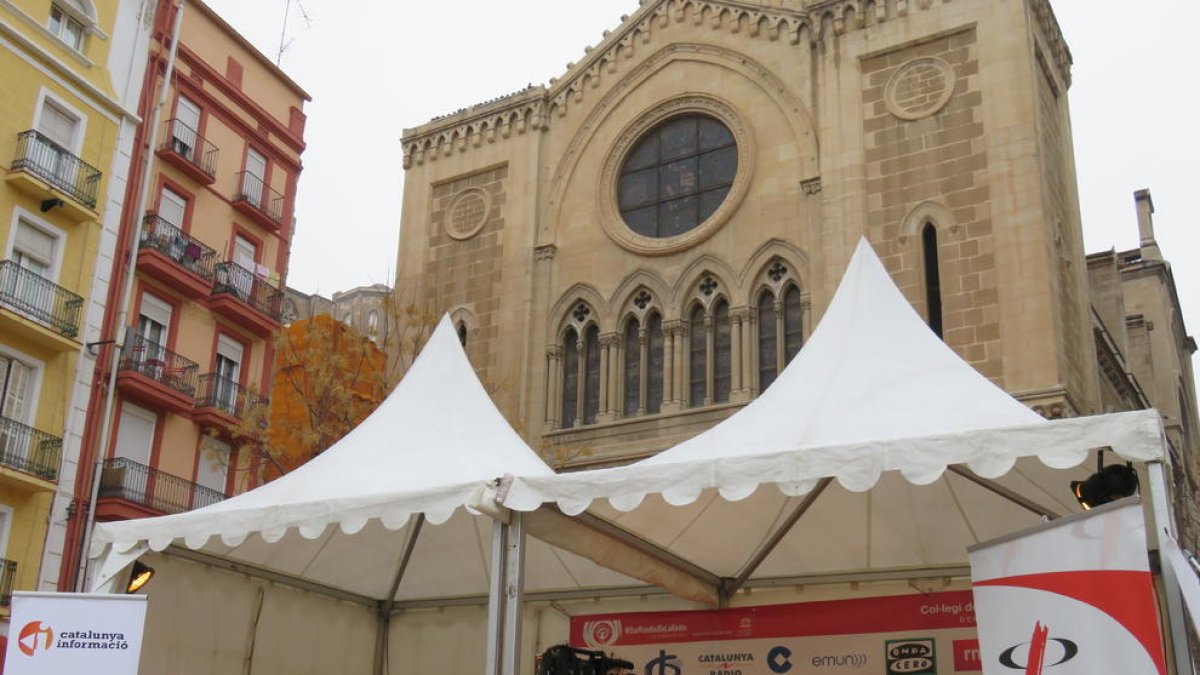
<point x="471" y="127"/>
<point x="797" y="22"/>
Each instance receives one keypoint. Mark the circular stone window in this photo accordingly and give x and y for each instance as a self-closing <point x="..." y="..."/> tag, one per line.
<point x="467" y="213"/>
<point x="675" y="175"/>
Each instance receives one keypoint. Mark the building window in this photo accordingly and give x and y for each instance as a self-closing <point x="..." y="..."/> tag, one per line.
<point x="933" y="282"/>
<point x="580" y="372"/>
<point x="677" y="176"/>
<point x="697" y="357"/>
<point x="35" y="250"/>
<point x="16" y="395"/>
<point x="228" y="370"/>
<point x="212" y="466"/>
<point x="65" y="27"/>
<point x="373" y="327"/>
<point x="778" y="318"/>
<point x="185" y="131"/>
<point x="135" y="436"/>
<point x="643" y="351"/>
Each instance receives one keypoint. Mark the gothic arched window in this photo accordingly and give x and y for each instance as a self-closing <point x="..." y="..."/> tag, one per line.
<point x="722" y="339"/>
<point x="643" y="350"/>
<point x="697" y="357"/>
<point x="933" y="281"/>
<point x="780" y="333"/>
<point x="570" y="378"/>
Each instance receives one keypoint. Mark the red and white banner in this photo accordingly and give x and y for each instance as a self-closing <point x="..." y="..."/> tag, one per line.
<point x="1072" y="597"/>
<point x="71" y="633"/>
<point x="897" y="635"/>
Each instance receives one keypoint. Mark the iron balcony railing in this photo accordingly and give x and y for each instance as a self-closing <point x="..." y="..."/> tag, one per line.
<point x="192" y="254"/>
<point x="190" y="145"/>
<point x="248" y="287"/>
<point x="57" y="166"/>
<point x="152" y="360"/>
<point x="29" y="450"/>
<point x="39" y="298"/>
<point x="158" y="490"/>
<point x="252" y="190"/>
<point x="226" y="395"/>
<point x="8" y="576"/>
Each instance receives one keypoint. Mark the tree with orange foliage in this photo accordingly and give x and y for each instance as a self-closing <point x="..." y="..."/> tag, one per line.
<point x="327" y="380"/>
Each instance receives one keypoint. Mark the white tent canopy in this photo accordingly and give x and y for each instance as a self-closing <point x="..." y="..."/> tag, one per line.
<point x="876" y="402"/>
<point x="347" y="522"/>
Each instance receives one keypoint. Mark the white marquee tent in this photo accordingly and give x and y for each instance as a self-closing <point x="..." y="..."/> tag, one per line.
<point x="351" y="524"/>
<point x="889" y="453"/>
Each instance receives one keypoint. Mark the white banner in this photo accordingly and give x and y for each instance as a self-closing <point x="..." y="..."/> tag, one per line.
<point x="1073" y="597"/>
<point x="71" y="633"/>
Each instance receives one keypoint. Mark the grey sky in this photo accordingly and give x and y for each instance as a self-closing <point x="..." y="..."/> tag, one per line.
<point x="375" y="68"/>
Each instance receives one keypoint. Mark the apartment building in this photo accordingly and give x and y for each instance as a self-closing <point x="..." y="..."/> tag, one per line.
<point x="209" y="256"/>
<point x="68" y="118"/>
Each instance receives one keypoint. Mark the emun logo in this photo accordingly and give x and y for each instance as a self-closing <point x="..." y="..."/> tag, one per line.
<point x="32" y="634"/>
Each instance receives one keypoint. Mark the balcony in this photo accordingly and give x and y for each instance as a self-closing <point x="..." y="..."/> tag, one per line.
<point x="8" y="577"/>
<point x="175" y="258"/>
<point x="28" y="450"/>
<point x="48" y="172"/>
<point x="258" y="201"/>
<point x="246" y="299"/>
<point x="156" y="376"/>
<point x="184" y="148"/>
<point x="222" y="403"/>
<point x="132" y="490"/>
<point x="38" y="309"/>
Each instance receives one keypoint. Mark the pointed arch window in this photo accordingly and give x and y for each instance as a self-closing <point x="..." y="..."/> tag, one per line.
<point x="591" y="374"/>
<point x="570" y="376"/>
<point x="643" y="350"/>
<point x="933" y="281"/>
<point x="780" y="332"/>
<point x="722" y="340"/>
<point x="697" y="357"/>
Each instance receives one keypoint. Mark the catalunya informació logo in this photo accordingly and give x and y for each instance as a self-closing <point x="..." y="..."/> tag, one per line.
<point x="33" y="635"/>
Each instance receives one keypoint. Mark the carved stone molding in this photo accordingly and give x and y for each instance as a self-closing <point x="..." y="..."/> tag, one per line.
<point x="811" y="187"/>
<point x="467" y="213"/>
<point x="545" y="252"/>
<point x="919" y="88"/>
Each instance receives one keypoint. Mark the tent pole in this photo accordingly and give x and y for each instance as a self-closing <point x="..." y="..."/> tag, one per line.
<point x="1010" y="495"/>
<point x="514" y="591"/>
<point x="495" y="599"/>
<point x="385" y="607"/>
<point x="1163" y="522"/>
<point x="776" y="537"/>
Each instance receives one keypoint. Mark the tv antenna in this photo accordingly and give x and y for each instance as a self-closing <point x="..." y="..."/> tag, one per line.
<point x="284" y="43"/>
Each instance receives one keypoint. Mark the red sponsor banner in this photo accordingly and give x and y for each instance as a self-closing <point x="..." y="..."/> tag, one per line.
<point x="966" y="656"/>
<point x="890" y="614"/>
<point x="892" y="635"/>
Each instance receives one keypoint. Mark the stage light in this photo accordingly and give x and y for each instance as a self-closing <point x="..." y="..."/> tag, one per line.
<point x="139" y="577"/>
<point x="1109" y="484"/>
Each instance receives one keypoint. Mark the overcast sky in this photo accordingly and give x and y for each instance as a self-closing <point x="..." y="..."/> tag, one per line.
<point x="373" y="72"/>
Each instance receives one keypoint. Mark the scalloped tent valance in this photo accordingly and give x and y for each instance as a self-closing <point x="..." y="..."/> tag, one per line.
<point x="884" y="445"/>
<point x="425" y="455"/>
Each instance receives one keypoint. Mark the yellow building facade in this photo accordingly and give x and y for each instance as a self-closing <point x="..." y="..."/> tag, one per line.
<point x="66" y="128"/>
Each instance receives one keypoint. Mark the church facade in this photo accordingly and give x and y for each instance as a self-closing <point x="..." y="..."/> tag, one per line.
<point x="636" y="249"/>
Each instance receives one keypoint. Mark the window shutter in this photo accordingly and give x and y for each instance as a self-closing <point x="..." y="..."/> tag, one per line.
<point x="16" y="392"/>
<point x="34" y="243"/>
<point x="57" y="125"/>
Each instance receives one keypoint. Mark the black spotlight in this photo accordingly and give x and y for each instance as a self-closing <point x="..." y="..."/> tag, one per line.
<point x="139" y="577"/>
<point x="1109" y="484"/>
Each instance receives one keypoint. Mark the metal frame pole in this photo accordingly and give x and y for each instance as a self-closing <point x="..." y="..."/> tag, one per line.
<point x="1164" y="522"/>
<point x="514" y="595"/>
<point x="495" y="627"/>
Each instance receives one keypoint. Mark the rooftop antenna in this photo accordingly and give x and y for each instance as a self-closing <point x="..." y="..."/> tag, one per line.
<point x="287" y="10"/>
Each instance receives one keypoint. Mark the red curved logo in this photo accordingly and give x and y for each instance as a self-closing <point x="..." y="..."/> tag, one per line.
<point x="33" y="633"/>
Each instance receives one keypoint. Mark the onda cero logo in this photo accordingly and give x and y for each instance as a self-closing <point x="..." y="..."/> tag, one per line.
<point x="1040" y="653"/>
<point x="911" y="657"/>
<point x="602" y="633"/>
<point x="33" y="635"/>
